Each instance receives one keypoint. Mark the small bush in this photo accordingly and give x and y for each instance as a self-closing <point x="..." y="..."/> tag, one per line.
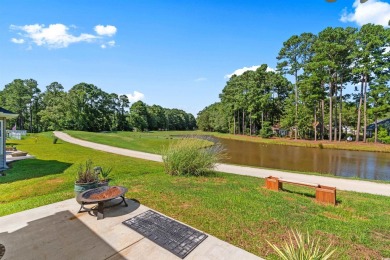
<point x="321" y="146"/>
<point x="302" y="248"/>
<point x="266" y="130"/>
<point x="189" y="157"/>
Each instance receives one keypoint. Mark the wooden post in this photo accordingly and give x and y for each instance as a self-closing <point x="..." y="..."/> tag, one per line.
<point x="326" y="194"/>
<point x="273" y="183"/>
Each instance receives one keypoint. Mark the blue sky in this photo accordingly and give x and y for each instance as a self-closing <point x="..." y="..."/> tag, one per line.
<point x="176" y="54"/>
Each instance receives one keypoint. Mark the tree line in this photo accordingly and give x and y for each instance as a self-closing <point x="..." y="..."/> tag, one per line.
<point x="85" y="107"/>
<point x="316" y="106"/>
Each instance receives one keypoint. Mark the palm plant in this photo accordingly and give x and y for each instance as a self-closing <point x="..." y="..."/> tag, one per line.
<point x="302" y="248"/>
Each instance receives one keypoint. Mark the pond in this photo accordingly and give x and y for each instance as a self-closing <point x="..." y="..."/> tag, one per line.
<point x="365" y="165"/>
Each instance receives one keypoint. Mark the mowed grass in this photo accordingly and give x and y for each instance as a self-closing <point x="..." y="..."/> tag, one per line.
<point x="234" y="208"/>
<point x="151" y="142"/>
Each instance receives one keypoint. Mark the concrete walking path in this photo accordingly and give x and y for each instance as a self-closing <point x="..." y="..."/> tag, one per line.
<point x="339" y="183"/>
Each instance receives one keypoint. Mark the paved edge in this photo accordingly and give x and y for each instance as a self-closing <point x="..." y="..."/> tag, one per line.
<point x="339" y="183"/>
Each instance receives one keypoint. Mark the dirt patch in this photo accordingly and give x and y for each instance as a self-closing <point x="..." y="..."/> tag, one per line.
<point x="263" y="191"/>
<point x="353" y="250"/>
<point x="261" y="232"/>
<point x="333" y="216"/>
<point x="136" y="189"/>
<point x="54" y="181"/>
<point x="216" y="180"/>
<point x="289" y="198"/>
<point x="185" y="205"/>
<point x="381" y="235"/>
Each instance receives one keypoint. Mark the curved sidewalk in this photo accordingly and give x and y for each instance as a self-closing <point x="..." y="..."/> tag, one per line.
<point x="340" y="184"/>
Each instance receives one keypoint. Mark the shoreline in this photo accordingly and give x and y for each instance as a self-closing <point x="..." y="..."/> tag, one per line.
<point x="321" y="144"/>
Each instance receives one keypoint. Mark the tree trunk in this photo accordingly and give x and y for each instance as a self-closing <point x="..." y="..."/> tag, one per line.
<point x="262" y="119"/>
<point x="376" y="128"/>
<point x="234" y="122"/>
<point x="322" y="119"/>
<point x="296" y="106"/>
<point x="315" y="124"/>
<point x="250" y="124"/>
<point x="243" y="122"/>
<point x="359" y="109"/>
<point x="341" y="109"/>
<point x="335" y="116"/>
<point x="31" y="117"/>
<point x="330" y="112"/>
<point x="238" y="121"/>
<point x="365" y="110"/>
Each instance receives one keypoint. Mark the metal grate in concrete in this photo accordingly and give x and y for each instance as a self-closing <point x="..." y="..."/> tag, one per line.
<point x="175" y="237"/>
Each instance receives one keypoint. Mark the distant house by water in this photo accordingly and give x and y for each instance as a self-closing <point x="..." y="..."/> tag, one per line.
<point x="385" y="123"/>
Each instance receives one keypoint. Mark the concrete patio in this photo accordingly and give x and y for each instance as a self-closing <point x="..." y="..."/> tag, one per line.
<point x="57" y="231"/>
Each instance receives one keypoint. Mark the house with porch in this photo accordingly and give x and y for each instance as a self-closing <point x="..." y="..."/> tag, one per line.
<point x="4" y="115"/>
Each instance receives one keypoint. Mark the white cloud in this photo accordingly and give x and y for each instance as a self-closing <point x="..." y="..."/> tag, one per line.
<point x="108" y="30"/>
<point x="17" y="41"/>
<point x="53" y="36"/>
<point x="135" y="96"/>
<point x="241" y="71"/>
<point x="108" y="44"/>
<point x="372" y="11"/>
<point x="200" y="79"/>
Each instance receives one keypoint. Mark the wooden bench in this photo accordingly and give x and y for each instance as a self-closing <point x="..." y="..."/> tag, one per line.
<point x="324" y="194"/>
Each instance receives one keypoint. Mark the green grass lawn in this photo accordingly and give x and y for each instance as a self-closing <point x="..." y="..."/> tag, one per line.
<point x="151" y="142"/>
<point x="234" y="208"/>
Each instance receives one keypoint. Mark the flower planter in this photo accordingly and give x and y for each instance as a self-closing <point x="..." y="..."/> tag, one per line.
<point x="81" y="187"/>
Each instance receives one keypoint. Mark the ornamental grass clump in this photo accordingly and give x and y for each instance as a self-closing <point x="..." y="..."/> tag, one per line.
<point x="189" y="157"/>
<point x="302" y="248"/>
<point x="86" y="175"/>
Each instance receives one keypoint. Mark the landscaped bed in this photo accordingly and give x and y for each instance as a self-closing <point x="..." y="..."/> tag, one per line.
<point x="234" y="208"/>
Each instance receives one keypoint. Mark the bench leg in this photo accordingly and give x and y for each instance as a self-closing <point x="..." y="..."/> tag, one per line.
<point x="326" y="195"/>
<point x="273" y="183"/>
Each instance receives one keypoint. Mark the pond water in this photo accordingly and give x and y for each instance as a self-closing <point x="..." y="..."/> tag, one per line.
<point x="365" y="165"/>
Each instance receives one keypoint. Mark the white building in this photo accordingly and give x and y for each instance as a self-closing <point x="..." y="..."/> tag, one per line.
<point x="4" y="115"/>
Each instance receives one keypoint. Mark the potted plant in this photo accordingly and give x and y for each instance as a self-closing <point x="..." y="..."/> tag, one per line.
<point x="100" y="171"/>
<point x="86" y="178"/>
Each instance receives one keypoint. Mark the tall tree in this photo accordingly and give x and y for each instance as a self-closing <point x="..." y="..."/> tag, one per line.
<point x="370" y="46"/>
<point x="54" y="106"/>
<point x="331" y="52"/>
<point x="379" y="98"/>
<point x="295" y="53"/>
<point x="18" y="96"/>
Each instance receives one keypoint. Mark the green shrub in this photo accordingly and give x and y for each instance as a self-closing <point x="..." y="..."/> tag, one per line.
<point x="189" y="157"/>
<point x="302" y="248"/>
<point x="266" y="130"/>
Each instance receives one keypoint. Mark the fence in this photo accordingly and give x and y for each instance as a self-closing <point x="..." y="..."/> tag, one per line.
<point x="16" y="134"/>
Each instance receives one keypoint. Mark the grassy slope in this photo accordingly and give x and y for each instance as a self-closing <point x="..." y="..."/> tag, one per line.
<point x="152" y="142"/>
<point x="234" y="208"/>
